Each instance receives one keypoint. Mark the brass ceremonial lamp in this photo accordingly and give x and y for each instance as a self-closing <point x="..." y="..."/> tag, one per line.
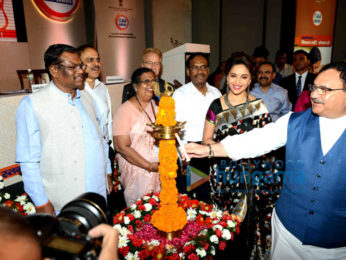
<point x="170" y="217"/>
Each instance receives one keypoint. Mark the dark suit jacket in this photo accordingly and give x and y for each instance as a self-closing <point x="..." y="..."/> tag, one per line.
<point x="129" y="91"/>
<point x="289" y="83"/>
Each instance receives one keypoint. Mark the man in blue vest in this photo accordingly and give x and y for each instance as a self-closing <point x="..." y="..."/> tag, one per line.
<point x="309" y="220"/>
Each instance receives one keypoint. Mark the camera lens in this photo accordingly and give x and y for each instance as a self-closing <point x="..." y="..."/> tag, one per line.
<point x="82" y="214"/>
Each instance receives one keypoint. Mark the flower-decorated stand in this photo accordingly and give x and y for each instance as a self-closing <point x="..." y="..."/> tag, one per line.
<point x="207" y="230"/>
<point x="167" y="225"/>
<point x="20" y="203"/>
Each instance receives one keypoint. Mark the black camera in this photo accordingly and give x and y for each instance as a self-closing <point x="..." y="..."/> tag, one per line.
<point x="66" y="236"/>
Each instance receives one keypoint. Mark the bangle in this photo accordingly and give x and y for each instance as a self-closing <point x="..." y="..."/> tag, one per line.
<point x="150" y="168"/>
<point x="211" y="151"/>
<point x="38" y="207"/>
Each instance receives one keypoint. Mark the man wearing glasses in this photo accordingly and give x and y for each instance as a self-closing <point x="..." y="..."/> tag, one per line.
<point x="151" y="59"/>
<point x="60" y="146"/>
<point x="309" y="219"/>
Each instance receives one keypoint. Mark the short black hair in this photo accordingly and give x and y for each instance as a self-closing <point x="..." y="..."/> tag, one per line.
<point x="339" y="66"/>
<point x="301" y="52"/>
<point x="237" y="58"/>
<point x="82" y="48"/>
<point x="193" y="55"/>
<point x="267" y="63"/>
<point x="260" y="51"/>
<point x="53" y="53"/>
<point x="136" y="75"/>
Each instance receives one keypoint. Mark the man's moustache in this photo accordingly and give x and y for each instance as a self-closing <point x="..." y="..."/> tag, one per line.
<point x="84" y="75"/>
<point x="264" y="78"/>
<point x="317" y="101"/>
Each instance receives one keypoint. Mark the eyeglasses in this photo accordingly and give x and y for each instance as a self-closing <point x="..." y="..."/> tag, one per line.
<point x="323" y="90"/>
<point x="74" y="67"/>
<point x="150" y="63"/>
<point x="93" y="59"/>
<point x="146" y="82"/>
<point x="197" y="68"/>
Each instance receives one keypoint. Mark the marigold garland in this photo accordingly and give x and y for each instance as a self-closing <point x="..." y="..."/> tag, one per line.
<point x="170" y="217"/>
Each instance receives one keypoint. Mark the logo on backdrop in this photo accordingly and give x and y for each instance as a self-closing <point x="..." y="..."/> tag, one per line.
<point x="317" y="18"/>
<point x="57" y="10"/>
<point x="122" y="22"/>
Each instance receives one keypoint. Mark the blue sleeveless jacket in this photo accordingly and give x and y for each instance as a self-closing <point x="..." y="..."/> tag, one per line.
<point x="312" y="204"/>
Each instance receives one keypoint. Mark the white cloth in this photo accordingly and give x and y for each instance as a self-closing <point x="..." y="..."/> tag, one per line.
<point x="192" y="106"/>
<point x="304" y="75"/>
<point x="274" y="135"/>
<point x="285" y="246"/>
<point x="103" y="101"/>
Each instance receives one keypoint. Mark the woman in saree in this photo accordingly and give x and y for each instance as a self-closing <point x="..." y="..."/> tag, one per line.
<point x="234" y="187"/>
<point x="136" y="151"/>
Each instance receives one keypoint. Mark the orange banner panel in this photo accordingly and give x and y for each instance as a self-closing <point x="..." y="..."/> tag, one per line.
<point x="315" y="22"/>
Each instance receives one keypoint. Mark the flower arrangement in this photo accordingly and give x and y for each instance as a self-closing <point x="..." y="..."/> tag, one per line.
<point x="206" y="231"/>
<point x="115" y="177"/>
<point x="21" y="204"/>
<point x="170" y="217"/>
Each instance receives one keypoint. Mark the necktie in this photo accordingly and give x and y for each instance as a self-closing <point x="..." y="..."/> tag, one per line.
<point x="299" y="86"/>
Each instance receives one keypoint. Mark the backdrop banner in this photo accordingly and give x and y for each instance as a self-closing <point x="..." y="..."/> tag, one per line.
<point x="120" y="35"/>
<point x="314" y="29"/>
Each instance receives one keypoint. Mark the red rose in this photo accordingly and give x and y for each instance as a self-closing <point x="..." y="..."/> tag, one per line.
<point x="193" y="257"/>
<point x="223" y="224"/>
<point x="136" y="241"/>
<point x="189" y="248"/>
<point x="206" y="246"/>
<point x="124" y="250"/>
<point x="147" y="218"/>
<point x="237" y="230"/>
<point x="141" y="207"/>
<point x="222" y="245"/>
<point x="144" y="254"/>
<point x="130" y="228"/>
<point x="218" y="232"/>
<point x="175" y="256"/>
<point x="138" y="202"/>
<point x="138" y="224"/>
<point x="226" y="217"/>
<point x="153" y="201"/>
<point x="131" y="217"/>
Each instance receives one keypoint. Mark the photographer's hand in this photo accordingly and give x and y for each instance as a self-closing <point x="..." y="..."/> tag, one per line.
<point x="46" y="209"/>
<point x="110" y="235"/>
